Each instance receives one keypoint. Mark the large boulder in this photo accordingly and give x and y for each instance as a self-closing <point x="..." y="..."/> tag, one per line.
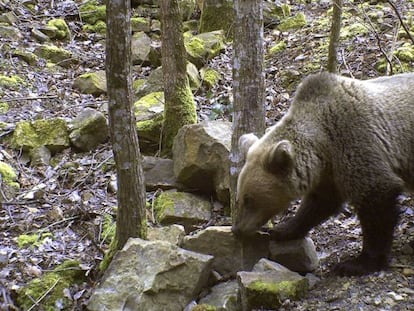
<point x="52" y="133"/>
<point x="204" y="46"/>
<point x="159" y="174"/>
<point x="201" y="158"/>
<point x="230" y="255"/>
<point x="151" y="276"/>
<point x="140" y="48"/>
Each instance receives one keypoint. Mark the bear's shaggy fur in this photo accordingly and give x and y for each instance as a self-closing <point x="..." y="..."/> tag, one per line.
<point x="342" y="140"/>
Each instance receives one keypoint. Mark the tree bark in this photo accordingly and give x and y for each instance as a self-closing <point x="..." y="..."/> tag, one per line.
<point x="180" y="107"/>
<point x="334" y="36"/>
<point x="131" y="220"/>
<point x="248" y="81"/>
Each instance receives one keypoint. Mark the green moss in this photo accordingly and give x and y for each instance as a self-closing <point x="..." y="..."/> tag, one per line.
<point x="98" y="27"/>
<point x="11" y="82"/>
<point x="91" y="12"/>
<point x="110" y="253"/>
<point x="28" y="57"/>
<point x="271" y="295"/>
<point x="165" y="202"/>
<point x="405" y="53"/>
<point x="292" y="23"/>
<point x="277" y="48"/>
<point x="53" y="53"/>
<point x="140" y="24"/>
<point x="210" y="76"/>
<point x="150" y="100"/>
<point x="137" y="84"/>
<point x="8" y="175"/>
<point x="204" y="46"/>
<point x="51" y="288"/>
<point x="52" y="133"/>
<point x="4" y="107"/>
<point x="62" y="29"/>
<point x="204" y="307"/>
<point x="353" y="30"/>
<point x="108" y="228"/>
<point x="35" y="239"/>
<point x="175" y="118"/>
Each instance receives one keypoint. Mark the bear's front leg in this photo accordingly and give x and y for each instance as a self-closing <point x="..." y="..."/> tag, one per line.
<point x="378" y="219"/>
<point x="315" y="208"/>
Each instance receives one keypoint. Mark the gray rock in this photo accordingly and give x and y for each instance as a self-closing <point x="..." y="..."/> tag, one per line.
<point x="299" y="255"/>
<point x="159" y="174"/>
<point x="267" y="290"/>
<point x="154" y="83"/>
<point x="230" y="255"/>
<point x="223" y="296"/>
<point x="265" y="264"/>
<point x="201" y="158"/>
<point x="10" y="32"/>
<point x="89" y="129"/>
<point x="140" y="48"/>
<point x="151" y="276"/>
<point x="173" y="234"/>
<point x="91" y="83"/>
<point x="182" y="208"/>
<point x="216" y="15"/>
<point x="40" y="156"/>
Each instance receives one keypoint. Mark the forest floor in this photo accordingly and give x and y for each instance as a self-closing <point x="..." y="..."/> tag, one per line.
<point x="69" y="212"/>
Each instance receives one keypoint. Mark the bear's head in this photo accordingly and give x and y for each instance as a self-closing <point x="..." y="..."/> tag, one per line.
<point x="264" y="186"/>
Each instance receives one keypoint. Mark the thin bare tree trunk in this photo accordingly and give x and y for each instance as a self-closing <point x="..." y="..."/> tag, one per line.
<point x="248" y="80"/>
<point x="180" y="107"/>
<point x="131" y="220"/>
<point x="334" y="37"/>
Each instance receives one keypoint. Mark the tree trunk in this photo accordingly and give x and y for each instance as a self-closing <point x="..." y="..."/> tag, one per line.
<point x="248" y="81"/>
<point x="180" y="108"/>
<point x="334" y="37"/>
<point x="131" y="220"/>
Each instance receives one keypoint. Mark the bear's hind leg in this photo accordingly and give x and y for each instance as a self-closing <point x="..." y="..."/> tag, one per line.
<point x="378" y="219"/>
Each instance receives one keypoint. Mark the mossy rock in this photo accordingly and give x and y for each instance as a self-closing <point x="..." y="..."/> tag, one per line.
<point x="353" y="30"/>
<point x="52" y="286"/>
<point x="56" y="55"/>
<point x="29" y="57"/>
<point x="405" y="53"/>
<point x="91" y="83"/>
<point x="35" y="239"/>
<point x="52" y="133"/>
<point x="203" y="47"/>
<point x="277" y="48"/>
<point x="293" y="22"/>
<point x="92" y="11"/>
<point x="99" y="27"/>
<point x="4" y="107"/>
<point x="8" y="175"/>
<point x="62" y="29"/>
<point x="210" y="77"/>
<point x="11" y="82"/>
<point x="149" y="114"/>
<point x="140" y="24"/>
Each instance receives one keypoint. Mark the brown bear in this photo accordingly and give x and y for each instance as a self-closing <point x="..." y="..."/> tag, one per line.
<point x="342" y="140"/>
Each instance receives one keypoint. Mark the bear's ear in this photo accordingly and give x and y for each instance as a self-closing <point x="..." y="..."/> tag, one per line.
<point x="279" y="160"/>
<point x="245" y="142"/>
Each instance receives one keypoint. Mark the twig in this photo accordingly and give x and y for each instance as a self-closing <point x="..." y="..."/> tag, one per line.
<point x="29" y="98"/>
<point x="407" y="30"/>
<point x="44" y="295"/>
